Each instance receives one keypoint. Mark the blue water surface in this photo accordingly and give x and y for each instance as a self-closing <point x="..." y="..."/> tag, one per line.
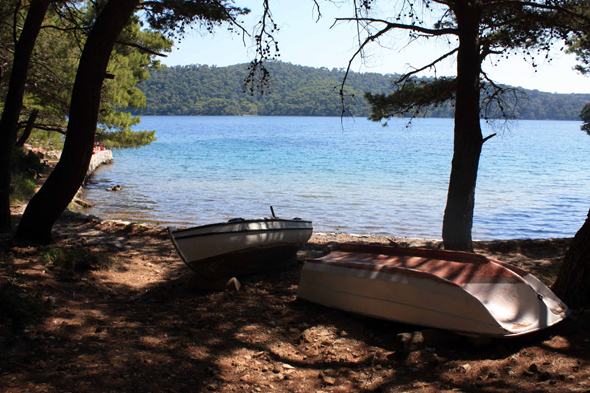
<point x="353" y="176"/>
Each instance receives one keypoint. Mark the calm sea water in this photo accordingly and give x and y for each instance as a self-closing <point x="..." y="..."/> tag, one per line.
<point x="353" y="176"/>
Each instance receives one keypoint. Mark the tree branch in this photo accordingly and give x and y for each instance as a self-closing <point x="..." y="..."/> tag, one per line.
<point x="141" y="48"/>
<point x="520" y="4"/>
<point x="497" y="96"/>
<point x="62" y="28"/>
<point x="405" y="77"/>
<point x="49" y="127"/>
<point x="402" y="26"/>
<point x="488" y="137"/>
<point x="368" y="40"/>
<point x="317" y="7"/>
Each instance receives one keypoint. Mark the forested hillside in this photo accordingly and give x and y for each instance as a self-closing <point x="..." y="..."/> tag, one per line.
<point x="302" y="91"/>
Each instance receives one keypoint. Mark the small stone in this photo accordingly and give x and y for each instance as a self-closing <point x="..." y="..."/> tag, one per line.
<point x="544" y="376"/>
<point x="212" y="386"/>
<point x="280" y="377"/>
<point x="329" y="380"/>
<point x="528" y="373"/>
<point x="307" y="336"/>
<point x="233" y="284"/>
<point x="391" y="356"/>
<point x="410" y="341"/>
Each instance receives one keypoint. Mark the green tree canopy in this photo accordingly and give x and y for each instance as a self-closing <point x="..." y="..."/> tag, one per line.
<point x="294" y="90"/>
<point x="55" y="61"/>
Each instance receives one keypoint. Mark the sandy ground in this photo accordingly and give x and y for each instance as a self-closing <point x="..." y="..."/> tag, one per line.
<point x="140" y="327"/>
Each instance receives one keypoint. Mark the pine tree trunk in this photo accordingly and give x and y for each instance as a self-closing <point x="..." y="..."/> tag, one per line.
<point x="67" y="177"/>
<point x="458" y="218"/>
<point x="14" y="102"/>
<point x="573" y="281"/>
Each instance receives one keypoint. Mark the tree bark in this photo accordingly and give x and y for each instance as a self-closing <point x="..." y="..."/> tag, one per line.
<point x="573" y="281"/>
<point x="458" y="218"/>
<point x="28" y="129"/>
<point x="67" y="177"/>
<point x="14" y="102"/>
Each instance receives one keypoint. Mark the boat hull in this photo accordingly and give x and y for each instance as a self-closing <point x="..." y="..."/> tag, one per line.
<point x="461" y="292"/>
<point x="242" y="247"/>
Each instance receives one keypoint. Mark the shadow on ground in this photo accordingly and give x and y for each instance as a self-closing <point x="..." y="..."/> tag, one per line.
<point x="143" y="329"/>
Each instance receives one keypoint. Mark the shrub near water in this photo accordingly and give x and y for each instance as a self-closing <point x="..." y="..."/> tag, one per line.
<point x="25" y="168"/>
<point x="25" y="161"/>
<point x="22" y="188"/>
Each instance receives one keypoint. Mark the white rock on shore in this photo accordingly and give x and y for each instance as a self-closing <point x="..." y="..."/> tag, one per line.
<point x="102" y="157"/>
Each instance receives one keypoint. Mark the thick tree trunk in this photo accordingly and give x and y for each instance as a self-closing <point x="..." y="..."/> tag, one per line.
<point x="14" y="102"/>
<point x="458" y="218"/>
<point x="63" y="183"/>
<point x="573" y="281"/>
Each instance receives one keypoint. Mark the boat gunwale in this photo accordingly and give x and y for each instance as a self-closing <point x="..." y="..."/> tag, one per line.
<point x="253" y="231"/>
<point x="249" y="221"/>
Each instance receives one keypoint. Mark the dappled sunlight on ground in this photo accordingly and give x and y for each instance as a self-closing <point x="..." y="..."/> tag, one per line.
<point x="141" y="328"/>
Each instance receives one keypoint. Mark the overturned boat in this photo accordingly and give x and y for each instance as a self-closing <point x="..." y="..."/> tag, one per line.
<point x="240" y="247"/>
<point x="458" y="291"/>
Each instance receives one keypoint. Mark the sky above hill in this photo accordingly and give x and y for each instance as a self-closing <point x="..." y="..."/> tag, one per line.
<point x="305" y="40"/>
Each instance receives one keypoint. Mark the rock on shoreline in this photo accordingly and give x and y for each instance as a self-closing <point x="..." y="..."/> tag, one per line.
<point x="99" y="158"/>
<point x="102" y="157"/>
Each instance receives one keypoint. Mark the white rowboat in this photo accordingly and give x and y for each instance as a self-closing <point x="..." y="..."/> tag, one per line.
<point x="458" y="291"/>
<point x="239" y="247"/>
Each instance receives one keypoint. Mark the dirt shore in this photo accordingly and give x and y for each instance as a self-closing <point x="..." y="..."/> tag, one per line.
<point x="140" y="328"/>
